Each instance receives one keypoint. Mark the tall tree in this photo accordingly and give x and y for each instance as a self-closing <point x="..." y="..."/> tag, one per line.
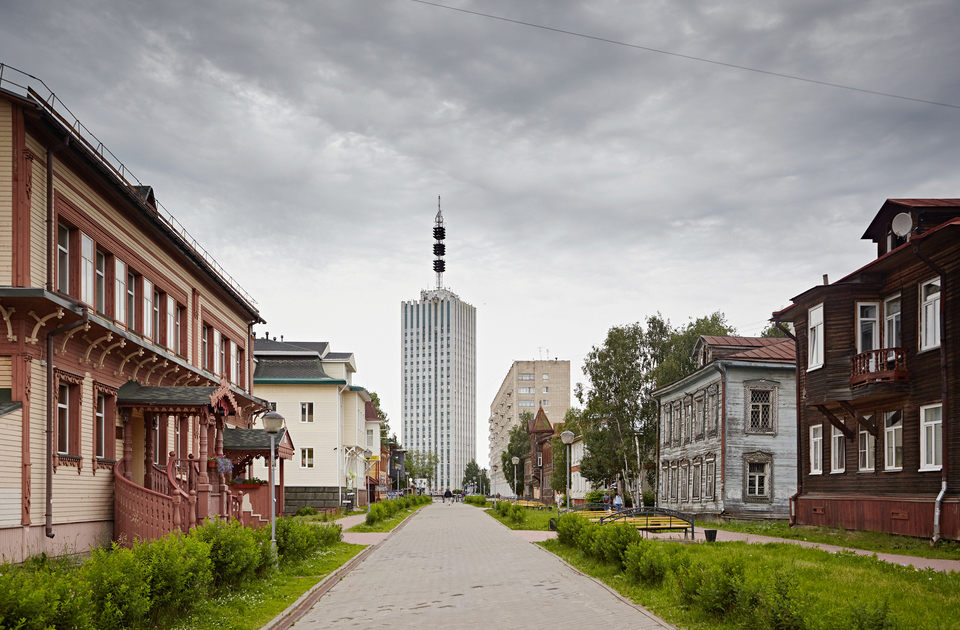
<point x="518" y="446"/>
<point x="382" y="416"/>
<point x="471" y="473"/>
<point x="773" y="331"/>
<point x="571" y="422"/>
<point x="422" y="465"/>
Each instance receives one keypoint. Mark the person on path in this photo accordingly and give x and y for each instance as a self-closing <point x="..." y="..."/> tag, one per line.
<point x="617" y="501"/>
<point x="448" y="495"/>
<point x="606" y="501"/>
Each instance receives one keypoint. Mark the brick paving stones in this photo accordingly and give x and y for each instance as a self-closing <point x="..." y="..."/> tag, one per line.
<point x="452" y="566"/>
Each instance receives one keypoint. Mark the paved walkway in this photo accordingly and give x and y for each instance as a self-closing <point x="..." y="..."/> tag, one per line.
<point x="452" y="566"/>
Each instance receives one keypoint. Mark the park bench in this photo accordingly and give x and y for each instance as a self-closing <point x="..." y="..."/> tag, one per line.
<point x="536" y="505"/>
<point x="649" y="519"/>
<point x="591" y="511"/>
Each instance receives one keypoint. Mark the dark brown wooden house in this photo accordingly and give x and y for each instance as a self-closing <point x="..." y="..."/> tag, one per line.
<point x="878" y="354"/>
<point x="538" y="466"/>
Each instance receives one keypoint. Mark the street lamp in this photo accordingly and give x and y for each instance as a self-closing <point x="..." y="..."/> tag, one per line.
<point x="494" y="468"/>
<point x="515" y="460"/>
<point x="272" y="422"/>
<point x="567" y="438"/>
<point x="367" y="454"/>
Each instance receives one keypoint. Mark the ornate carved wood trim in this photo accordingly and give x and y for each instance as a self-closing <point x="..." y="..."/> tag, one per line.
<point x="93" y="344"/>
<point x="69" y="335"/>
<point x="109" y="349"/>
<point x="7" y="313"/>
<point x="136" y="353"/>
<point x="42" y="321"/>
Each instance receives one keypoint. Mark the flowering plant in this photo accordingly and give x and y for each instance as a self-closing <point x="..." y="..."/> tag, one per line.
<point x="223" y="464"/>
<point x="241" y="480"/>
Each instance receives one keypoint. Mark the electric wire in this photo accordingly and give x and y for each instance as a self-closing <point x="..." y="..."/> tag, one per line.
<point x="689" y="57"/>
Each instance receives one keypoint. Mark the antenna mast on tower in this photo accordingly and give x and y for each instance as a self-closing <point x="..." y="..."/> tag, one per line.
<point x="439" y="249"/>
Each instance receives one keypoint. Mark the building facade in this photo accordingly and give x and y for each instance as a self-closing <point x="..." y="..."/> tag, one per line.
<point x="527" y="387"/>
<point x="127" y="350"/>
<point x="728" y="432"/>
<point x="878" y="352"/>
<point x="327" y="416"/>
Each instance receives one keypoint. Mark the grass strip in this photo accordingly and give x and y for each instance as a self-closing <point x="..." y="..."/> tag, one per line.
<point x="387" y="524"/>
<point x="535" y="520"/>
<point x="256" y="603"/>
<point x="831" y="590"/>
<point x="868" y="541"/>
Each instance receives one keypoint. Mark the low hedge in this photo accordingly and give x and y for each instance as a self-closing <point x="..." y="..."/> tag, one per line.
<point x="476" y="499"/>
<point x="389" y="508"/>
<point x="152" y="582"/>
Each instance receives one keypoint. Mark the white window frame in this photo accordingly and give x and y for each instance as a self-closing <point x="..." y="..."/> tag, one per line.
<point x="838" y="451"/>
<point x="306" y="412"/>
<point x="546" y="376"/>
<point x="217" y="340"/>
<point x="147" y="309"/>
<point x="63" y="419"/>
<point x="866" y="448"/>
<point x="710" y="478"/>
<point x="100" y="281"/>
<point x="930" y="316"/>
<point x="100" y="426"/>
<point x="88" y="253"/>
<point x="120" y="292"/>
<point x="306" y="457"/>
<point x="892" y="332"/>
<point x="892" y="441"/>
<point x="875" y="321"/>
<point x="931" y="437"/>
<point x="131" y="300"/>
<point x="63" y="258"/>
<point x="816" y="449"/>
<point x="758" y="478"/>
<point x="171" y="322"/>
<point x="815" y="345"/>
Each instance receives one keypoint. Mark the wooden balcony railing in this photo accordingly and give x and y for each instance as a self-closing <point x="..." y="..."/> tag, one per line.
<point x="141" y="514"/>
<point x="877" y="366"/>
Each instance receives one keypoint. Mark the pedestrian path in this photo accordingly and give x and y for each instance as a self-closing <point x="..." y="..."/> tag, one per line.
<point x="452" y="566"/>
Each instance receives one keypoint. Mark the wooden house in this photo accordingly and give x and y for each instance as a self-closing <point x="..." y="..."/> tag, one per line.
<point x="878" y="356"/>
<point x="538" y="464"/>
<point x="125" y="349"/>
<point x="727" y="432"/>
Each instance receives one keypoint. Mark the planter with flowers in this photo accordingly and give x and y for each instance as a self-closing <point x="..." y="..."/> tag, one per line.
<point x="223" y="465"/>
<point x="253" y="482"/>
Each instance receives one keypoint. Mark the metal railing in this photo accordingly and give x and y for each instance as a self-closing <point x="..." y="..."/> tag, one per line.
<point x="26" y="85"/>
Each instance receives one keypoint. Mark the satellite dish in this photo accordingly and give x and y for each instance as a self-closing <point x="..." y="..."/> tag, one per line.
<point x="902" y="224"/>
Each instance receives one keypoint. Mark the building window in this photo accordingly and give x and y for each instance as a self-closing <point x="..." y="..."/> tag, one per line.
<point x="868" y="326"/>
<point x="100" y="284"/>
<point x="698" y="417"/>
<point x="306" y="412"/>
<point x="710" y="476"/>
<point x="63" y="258"/>
<point x="171" y="323"/>
<point x="205" y="339"/>
<point x="666" y="424"/>
<point x="131" y="301"/>
<point x="838" y="451"/>
<point x="546" y="390"/>
<point x="525" y="403"/>
<point x="674" y="476"/>
<point x="217" y="365"/>
<point x="684" y="481"/>
<point x="88" y="251"/>
<point x="893" y="440"/>
<point x="306" y="458"/>
<point x="758" y="473"/>
<point x="891" y="322"/>
<point x="714" y="412"/>
<point x="178" y="338"/>
<point x="156" y="316"/>
<point x="100" y="432"/>
<point x="687" y="422"/>
<point x="63" y="420"/>
<point x="815" y="338"/>
<point x="147" y="309"/>
<point x="762" y="400"/>
<point x="544" y="403"/>
<point x="370" y="438"/>
<point x="930" y="314"/>
<point x="816" y="449"/>
<point x="866" y="446"/>
<point x="931" y="437"/>
<point x="526" y="390"/>
<point x="120" y="291"/>
<point x="546" y="377"/>
<point x="525" y="377"/>
<point x="696" y="480"/>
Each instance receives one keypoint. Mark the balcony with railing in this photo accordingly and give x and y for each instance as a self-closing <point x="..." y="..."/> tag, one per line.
<point x="879" y="366"/>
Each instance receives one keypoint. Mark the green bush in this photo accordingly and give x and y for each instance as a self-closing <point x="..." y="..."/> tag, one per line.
<point x="43" y="599"/>
<point x="518" y="514"/>
<point x="586" y="538"/>
<point x="594" y="496"/>
<point x="119" y="585"/>
<point x="178" y="569"/>
<point x="613" y="540"/>
<point x="647" y="563"/>
<point x="875" y="616"/>
<point x="476" y="499"/>
<point x="568" y="527"/>
<point x="716" y="587"/>
<point x="235" y="551"/>
<point x="307" y="511"/>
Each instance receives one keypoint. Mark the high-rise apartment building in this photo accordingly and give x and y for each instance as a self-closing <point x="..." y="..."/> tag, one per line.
<point x="439" y="375"/>
<point x="528" y="386"/>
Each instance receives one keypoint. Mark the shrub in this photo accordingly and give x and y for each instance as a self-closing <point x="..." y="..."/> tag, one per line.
<point x="875" y="616"/>
<point x="119" y="585"/>
<point x="594" y="496"/>
<point x="568" y="527"/>
<point x="647" y="563"/>
<point x="235" y="551"/>
<point x="586" y="538"/>
<point x="613" y="540"/>
<point x="779" y="605"/>
<point x="42" y="599"/>
<point x="518" y="514"/>
<point x="715" y="588"/>
<point x="178" y="569"/>
<point x="307" y="511"/>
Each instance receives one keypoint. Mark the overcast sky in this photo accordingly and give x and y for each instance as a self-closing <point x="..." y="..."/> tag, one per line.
<point x="584" y="184"/>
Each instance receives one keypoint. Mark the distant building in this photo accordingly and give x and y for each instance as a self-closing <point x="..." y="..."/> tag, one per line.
<point x="439" y="375"/>
<point x="878" y="357"/>
<point x="728" y="432"/>
<point x="327" y="417"/>
<point x="528" y="386"/>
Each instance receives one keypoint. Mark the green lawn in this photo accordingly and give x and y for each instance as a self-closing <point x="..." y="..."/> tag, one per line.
<point x="537" y="520"/>
<point x="254" y="604"/>
<point x="870" y="541"/>
<point x="387" y="524"/>
<point x="831" y="590"/>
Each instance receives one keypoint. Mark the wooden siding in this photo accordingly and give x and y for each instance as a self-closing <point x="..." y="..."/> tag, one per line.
<point x="38" y="214"/>
<point x="7" y="157"/>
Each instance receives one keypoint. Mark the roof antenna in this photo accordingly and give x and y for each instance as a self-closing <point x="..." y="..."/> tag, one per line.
<point x="439" y="249"/>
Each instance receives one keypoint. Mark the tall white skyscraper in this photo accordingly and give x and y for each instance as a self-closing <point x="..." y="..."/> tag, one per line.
<point x="439" y="375"/>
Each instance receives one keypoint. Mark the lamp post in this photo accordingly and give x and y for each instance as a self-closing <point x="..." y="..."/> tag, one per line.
<point x="494" y="468"/>
<point x="567" y="438"/>
<point x="272" y="422"/>
<point x="515" y="460"/>
<point x="367" y="454"/>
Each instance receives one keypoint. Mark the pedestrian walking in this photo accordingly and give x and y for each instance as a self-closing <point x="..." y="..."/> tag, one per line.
<point x="617" y="501"/>
<point x="448" y="495"/>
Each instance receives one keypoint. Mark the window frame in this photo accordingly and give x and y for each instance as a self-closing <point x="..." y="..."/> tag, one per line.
<point x="147" y="291"/>
<point x="866" y="448"/>
<point x="815" y="344"/>
<point x="816" y="450"/>
<point x="896" y="430"/>
<point x="120" y="290"/>
<point x="838" y="456"/>
<point x="927" y="449"/>
<point x="88" y="265"/>
<point x="934" y="313"/>
<point x="893" y="320"/>
<point x="875" y="340"/>
<point x="749" y="387"/>
<point x="306" y="412"/>
<point x="63" y="258"/>
<point x="306" y="455"/>
<point x="766" y="460"/>
<point x="710" y="475"/>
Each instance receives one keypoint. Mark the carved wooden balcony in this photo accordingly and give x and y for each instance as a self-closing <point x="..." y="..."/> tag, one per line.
<point x="879" y="366"/>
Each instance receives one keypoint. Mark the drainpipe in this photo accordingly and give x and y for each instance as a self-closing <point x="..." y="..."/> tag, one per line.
<point x="50" y="408"/>
<point x="796" y="387"/>
<point x="943" y="389"/>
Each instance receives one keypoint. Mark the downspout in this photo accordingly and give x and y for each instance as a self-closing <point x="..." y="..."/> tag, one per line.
<point x="720" y="367"/>
<point x="50" y="407"/>
<point x="796" y="387"/>
<point x="943" y="390"/>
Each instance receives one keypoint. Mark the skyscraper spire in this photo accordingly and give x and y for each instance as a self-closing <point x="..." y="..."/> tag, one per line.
<point x="439" y="249"/>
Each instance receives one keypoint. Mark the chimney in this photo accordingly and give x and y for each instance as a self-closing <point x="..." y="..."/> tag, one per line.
<point x="826" y="280"/>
